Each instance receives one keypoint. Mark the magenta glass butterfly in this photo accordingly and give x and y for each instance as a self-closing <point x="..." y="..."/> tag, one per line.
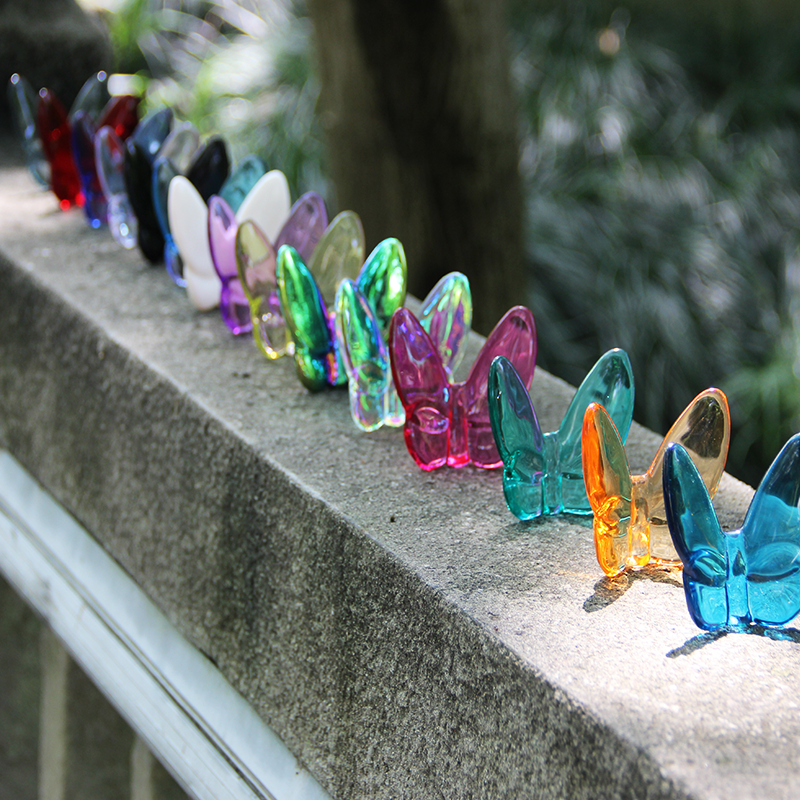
<point x="449" y="423"/>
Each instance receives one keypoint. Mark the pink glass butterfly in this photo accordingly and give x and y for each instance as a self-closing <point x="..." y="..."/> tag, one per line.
<point x="449" y="423"/>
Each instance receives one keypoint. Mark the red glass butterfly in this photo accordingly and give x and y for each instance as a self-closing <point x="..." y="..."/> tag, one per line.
<point x="449" y="423"/>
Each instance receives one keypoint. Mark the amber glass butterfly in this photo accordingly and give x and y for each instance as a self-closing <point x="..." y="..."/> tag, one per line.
<point x="630" y="526"/>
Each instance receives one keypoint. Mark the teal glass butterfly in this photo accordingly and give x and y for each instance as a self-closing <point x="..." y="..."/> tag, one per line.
<point x="543" y="472"/>
<point x="749" y="576"/>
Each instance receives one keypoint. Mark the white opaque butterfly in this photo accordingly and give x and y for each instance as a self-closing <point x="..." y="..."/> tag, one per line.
<point x="267" y="204"/>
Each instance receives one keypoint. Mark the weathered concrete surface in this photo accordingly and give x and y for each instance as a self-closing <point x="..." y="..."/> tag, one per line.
<point x="400" y="630"/>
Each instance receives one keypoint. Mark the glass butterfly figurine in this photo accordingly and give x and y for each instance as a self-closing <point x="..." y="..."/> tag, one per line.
<point x="141" y="151"/>
<point x="244" y="177"/>
<point x="630" y="528"/>
<point x="57" y="154"/>
<point x="46" y="133"/>
<point x="254" y="193"/>
<point x="23" y="101"/>
<point x="302" y="229"/>
<point x="743" y="577"/>
<point x="173" y="158"/>
<point x="382" y="280"/>
<point x="448" y="423"/>
<point x="338" y="254"/>
<point x="120" y="116"/>
<point x="446" y="315"/>
<point x="543" y="472"/>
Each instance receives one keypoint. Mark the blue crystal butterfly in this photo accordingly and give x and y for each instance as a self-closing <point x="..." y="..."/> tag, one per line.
<point x="543" y="472"/>
<point x="741" y="577"/>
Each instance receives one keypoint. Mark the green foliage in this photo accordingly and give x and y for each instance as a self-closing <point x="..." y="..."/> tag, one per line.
<point x="126" y="27"/>
<point x="238" y="69"/>
<point x="659" y="222"/>
<point x="661" y="155"/>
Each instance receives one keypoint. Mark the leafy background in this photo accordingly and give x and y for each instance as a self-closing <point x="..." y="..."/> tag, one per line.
<point x="659" y="150"/>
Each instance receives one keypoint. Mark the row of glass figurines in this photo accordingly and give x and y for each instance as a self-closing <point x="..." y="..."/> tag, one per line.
<point x="305" y="289"/>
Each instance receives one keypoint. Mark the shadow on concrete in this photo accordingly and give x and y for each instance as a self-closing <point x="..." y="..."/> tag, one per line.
<point x="523" y="527"/>
<point x="708" y="637"/>
<point x="608" y="590"/>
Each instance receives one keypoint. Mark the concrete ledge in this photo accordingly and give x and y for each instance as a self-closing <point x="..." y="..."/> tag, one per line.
<point x="402" y="633"/>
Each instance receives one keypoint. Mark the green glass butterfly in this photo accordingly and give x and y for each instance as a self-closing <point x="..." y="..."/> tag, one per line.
<point x="382" y="281"/>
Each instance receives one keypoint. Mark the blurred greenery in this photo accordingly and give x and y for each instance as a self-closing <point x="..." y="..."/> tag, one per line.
<point x="662" y="209"/>
<point x="237" y="68"/>
<point x="660" y="149"/>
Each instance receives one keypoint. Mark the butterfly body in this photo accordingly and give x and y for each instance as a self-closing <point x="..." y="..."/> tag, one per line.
<point x="449" y="423"/>
<point x="543" y="472"/>
<point x="747" y="576"/>
<point x="630" y="527"/>
<point x="534" y="483"/>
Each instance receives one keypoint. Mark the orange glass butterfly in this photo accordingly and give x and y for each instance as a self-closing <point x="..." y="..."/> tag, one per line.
<point x="630" y="526"/>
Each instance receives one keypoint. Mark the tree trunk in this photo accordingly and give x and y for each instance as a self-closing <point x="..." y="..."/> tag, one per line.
<point x="422" y="137"/>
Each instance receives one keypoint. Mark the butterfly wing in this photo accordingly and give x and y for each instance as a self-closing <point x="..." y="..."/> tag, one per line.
<point x="703" y="429"/>
<point x="307" y="221"/>
<point x="306" y="320"/>
<point x="109" y="155"/>
<point x="518" y="438"/>
<point x="139" y="188"/>
<point x="92" y="97"/>
<point x="771" y="541"/>
<point x="382" y="280"/>
<point x="424" y="391"/>
<point x="446" y="315"/>
<point x="164" y="170"/>
<point x="609" y="488"/>
<point x="373" y="400"/>
<point x="515" y="338"/>
<point x="95" y="204"/>
<point x="609" y="383"/>
<point x="23" y="102"/>
<point x="339" y="253"/>
<point x="152" y="131"/>
<point x="55" y="133"/>
<point x="242" y="181"/>
<point x="267" y="204"/>
<point x="209" y="168"/>
<point x="697" y="538"/>
<point x="188" y="221"/>
<point x="122" y="114"/>
<point x="180" y="147"/>
<point x="256" y="264"/>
